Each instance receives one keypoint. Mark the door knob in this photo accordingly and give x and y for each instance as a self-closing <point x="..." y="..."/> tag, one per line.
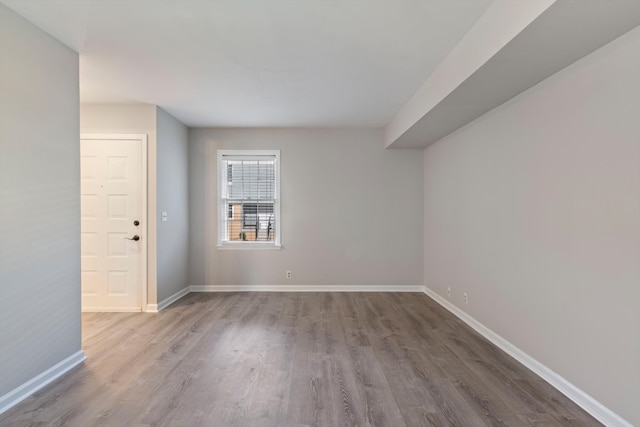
<point x="134" y="238"/>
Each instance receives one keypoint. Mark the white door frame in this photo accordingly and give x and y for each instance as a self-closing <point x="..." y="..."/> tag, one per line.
<point x="143" y="143"/>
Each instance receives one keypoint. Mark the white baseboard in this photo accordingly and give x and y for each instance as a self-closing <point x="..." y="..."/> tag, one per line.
<point x="20" y="393"/>
<point x="111" y="309"/>
<point x="582" y="399"/>
<point x="173" y="298"/>
<point x="151" y="308"/>
<point x="300" y="288"/>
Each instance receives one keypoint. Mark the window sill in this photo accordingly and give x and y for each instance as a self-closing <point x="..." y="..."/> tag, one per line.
<point x="248" y="247"/>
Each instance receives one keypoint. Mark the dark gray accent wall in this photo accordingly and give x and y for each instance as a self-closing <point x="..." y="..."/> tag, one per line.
<point x="173" y="198"/>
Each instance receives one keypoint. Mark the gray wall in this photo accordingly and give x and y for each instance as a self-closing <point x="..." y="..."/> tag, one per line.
<point x="172" y="197"/>
<point x="351" y="211"/>
<point x="39" y="202"/>
<point x="534" y="210"/>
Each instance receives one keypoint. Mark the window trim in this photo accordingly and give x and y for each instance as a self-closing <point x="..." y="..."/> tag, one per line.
<point x="222" y="210"/>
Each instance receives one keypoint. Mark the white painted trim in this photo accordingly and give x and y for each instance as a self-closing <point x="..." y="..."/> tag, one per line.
<point x="20" y="393"/>
<point x="302" y="288"/>
<point x="222" y="173"/>
<point x="111" y="309"/>
<point x="173" y="298"/>
<point x="582" y="399"/>
<point x="145" y="214"/>
<point x="144" y="144"/>
<point x="151" y="308"/>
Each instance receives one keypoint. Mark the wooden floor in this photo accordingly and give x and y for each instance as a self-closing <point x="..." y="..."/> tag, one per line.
<point x="294" y="359"/>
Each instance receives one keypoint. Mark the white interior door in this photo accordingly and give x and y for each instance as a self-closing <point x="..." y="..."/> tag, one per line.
<point x="113" y="238"/>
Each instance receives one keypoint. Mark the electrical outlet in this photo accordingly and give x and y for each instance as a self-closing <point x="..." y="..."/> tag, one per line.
<point x="449" y="291"/>
<point x="288" y="274"/>
<point x="466" y="298"/>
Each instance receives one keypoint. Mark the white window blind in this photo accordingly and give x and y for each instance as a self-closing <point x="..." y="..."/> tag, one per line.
<point x="249" y="210"/>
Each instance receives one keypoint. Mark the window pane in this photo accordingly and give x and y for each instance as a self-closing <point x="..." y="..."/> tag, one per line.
<point x="250" y="179"/>
<point x="250" y="214"/>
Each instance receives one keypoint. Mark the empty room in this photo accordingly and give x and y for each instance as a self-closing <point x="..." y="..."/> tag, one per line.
<point x="319" y="213"/>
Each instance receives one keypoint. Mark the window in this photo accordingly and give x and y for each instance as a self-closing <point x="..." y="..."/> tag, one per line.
<point x="249" y="199"/>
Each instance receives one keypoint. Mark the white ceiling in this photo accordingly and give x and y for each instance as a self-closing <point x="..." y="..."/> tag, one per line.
<point x="535" y="42"/>
<point x="257" y="63"/>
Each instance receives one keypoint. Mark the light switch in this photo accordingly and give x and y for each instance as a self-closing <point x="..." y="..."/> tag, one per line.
<point x="164" y="216"/>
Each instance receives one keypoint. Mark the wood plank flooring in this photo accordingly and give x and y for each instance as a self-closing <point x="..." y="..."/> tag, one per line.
<point x="294" y="359"/>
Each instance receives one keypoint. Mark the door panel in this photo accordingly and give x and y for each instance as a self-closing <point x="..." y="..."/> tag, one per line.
<point x="111" y="198"/>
